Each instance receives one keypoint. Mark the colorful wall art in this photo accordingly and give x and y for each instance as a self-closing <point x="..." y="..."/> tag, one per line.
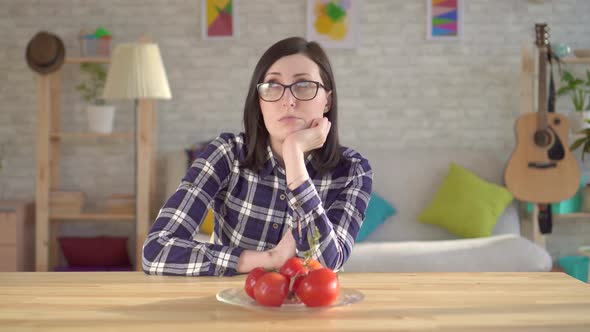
<point x="444" y="19"/>
<point x="219" y="19"/>
<point x="333" y="23"/>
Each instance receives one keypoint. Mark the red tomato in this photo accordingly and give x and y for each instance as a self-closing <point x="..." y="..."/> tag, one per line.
<point x="296" y="283"/>
<point x="319" y="288"/>
<point x="271" y="289"/>
<point x="312" y="264"/>
<point x="253" y="276"/>
<point x="294" y="266"/>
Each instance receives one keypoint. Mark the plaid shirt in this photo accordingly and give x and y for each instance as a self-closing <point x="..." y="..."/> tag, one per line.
<point x="254" y="210"/>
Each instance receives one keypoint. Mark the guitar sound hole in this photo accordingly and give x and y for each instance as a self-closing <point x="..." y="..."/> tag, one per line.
<point x="542" y="138"/>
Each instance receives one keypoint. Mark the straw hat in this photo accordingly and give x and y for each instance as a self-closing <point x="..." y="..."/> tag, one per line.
<point x="45" y="53"/>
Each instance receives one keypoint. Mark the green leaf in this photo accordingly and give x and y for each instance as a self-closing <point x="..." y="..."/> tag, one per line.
<point x="567" y="76"/>
<point x="586" y="150"/>
<point x="91" y="89"/>
<point x="563" y="90"/>
<point x="314" y="243"/>
<point x="577" y="143"/>
<point x="577" y="82"/>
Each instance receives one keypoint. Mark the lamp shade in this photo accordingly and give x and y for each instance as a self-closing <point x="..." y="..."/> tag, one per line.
<point x="136" y="71"/>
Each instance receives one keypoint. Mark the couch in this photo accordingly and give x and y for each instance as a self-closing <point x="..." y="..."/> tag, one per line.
<point x="408" y="180"/>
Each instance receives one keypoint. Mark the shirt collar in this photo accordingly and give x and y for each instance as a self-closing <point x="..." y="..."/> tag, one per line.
<point x="271" y="161"/>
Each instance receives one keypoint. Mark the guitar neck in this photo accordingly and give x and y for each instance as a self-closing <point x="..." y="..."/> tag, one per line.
<point x="542" y="107"/>
<point x="542" y="40"/>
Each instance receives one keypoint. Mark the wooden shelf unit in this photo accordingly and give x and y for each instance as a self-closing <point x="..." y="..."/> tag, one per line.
<point x="567" y="216"/>
<point x="17" y="219"/>
<point x="49" y="139"/>
<point x="88" y="60"/>
<point x="528" y="87"/>
<point x="62" y="135"/>
<point x="576" y="60"/>
<point x="95" y="216"/>
<point x="573" y="215"/>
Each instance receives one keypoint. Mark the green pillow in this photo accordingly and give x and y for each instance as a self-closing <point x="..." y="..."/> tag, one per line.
<point x="466" y="205"/>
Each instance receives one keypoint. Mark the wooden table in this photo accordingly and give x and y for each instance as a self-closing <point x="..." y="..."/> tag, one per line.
<point x="133" y="301"/>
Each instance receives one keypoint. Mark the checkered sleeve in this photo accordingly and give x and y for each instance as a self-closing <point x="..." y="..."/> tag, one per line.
<point x="169" y="248"/>
<point x="338" y="223"/>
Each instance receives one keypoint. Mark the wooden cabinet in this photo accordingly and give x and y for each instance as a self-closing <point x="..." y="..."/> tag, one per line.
<point x="49" y="140"/>
<point x="17" y="238"/>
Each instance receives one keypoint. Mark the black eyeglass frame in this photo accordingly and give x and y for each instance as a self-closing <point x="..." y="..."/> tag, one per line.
<point x="318" y="85"/>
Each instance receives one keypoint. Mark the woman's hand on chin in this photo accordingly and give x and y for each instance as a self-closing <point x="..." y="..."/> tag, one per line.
<point x="309" y="139"/>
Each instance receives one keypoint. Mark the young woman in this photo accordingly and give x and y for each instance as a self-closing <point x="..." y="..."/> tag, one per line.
<point x="273" y="185"/>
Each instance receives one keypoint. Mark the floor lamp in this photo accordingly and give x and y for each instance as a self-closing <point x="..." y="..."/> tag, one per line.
<point x="137" y="73"/>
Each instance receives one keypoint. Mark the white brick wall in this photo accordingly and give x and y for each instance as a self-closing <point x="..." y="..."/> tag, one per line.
<point x="396" y="89"/>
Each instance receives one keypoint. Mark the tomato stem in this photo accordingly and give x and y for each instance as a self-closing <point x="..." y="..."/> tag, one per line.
<point x="314" y="243"/>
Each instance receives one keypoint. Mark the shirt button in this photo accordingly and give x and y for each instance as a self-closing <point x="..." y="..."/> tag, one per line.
<point x="221" y="271"/>
<point x="296" y="204"/>
<point x="282" y="197"/>
<point x="275" y="225"/>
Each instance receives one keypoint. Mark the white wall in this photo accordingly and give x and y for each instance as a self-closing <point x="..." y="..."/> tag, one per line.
<point x="397" y="90"/>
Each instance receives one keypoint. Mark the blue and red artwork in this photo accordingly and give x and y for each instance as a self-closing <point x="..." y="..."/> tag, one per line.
<point x="444" y="18"/>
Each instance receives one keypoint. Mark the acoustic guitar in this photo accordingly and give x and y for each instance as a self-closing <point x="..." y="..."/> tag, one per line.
<point x="541" y="168"/>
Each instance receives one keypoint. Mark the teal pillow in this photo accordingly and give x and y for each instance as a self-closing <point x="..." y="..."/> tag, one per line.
<point x="377" y="212"/>
<point x="466" y="205"/>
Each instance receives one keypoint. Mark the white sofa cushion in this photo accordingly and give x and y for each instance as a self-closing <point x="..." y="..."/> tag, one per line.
<point x="500" y="253"/>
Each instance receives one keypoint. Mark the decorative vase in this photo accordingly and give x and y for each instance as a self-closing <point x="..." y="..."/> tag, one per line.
<point x="100" y="118"/>
<point x="561" y="50"/>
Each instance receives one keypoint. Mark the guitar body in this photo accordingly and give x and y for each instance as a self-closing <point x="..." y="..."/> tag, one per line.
<point x="542" y="169"/>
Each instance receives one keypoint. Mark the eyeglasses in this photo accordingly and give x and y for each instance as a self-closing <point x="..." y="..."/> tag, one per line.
<point x="302" y="90"/>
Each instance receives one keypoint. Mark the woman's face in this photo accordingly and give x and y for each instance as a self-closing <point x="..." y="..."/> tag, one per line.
<point x="289" y="114"/>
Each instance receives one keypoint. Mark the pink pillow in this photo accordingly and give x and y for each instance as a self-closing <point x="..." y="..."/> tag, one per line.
<point x="95" y="251"/>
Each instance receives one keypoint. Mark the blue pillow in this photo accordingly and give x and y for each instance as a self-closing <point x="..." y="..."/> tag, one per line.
<point x="377" y="212"/>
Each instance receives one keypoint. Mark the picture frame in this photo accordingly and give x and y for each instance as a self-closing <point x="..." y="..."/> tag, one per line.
<point x="444" y="19"/>
<point x="333" y="23"/>
<point x="219" y="19"/>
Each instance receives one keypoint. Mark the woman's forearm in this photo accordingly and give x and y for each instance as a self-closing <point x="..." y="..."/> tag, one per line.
<point x="294" y="166"/>
<point x="270" y="259"/>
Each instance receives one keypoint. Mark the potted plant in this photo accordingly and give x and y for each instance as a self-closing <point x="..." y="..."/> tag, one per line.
<point x="579" y="92"/>
<point x="100" y="115"/>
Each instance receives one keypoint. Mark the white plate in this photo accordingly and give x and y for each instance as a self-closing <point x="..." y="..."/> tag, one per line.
<point x="237" y="296"/>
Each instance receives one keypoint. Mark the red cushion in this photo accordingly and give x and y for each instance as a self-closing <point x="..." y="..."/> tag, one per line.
<point x="95" y="251"/>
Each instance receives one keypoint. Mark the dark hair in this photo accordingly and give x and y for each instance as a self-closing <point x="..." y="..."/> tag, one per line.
<point x="325" y="158"/>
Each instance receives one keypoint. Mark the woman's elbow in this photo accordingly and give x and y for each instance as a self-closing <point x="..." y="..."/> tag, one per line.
<point x="149" y="253"/>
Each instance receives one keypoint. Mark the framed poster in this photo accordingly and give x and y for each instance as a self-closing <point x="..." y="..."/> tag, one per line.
<point x="219" y="19"/>
<point x="333" y="23"/>
<point x="444" y="19"/>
